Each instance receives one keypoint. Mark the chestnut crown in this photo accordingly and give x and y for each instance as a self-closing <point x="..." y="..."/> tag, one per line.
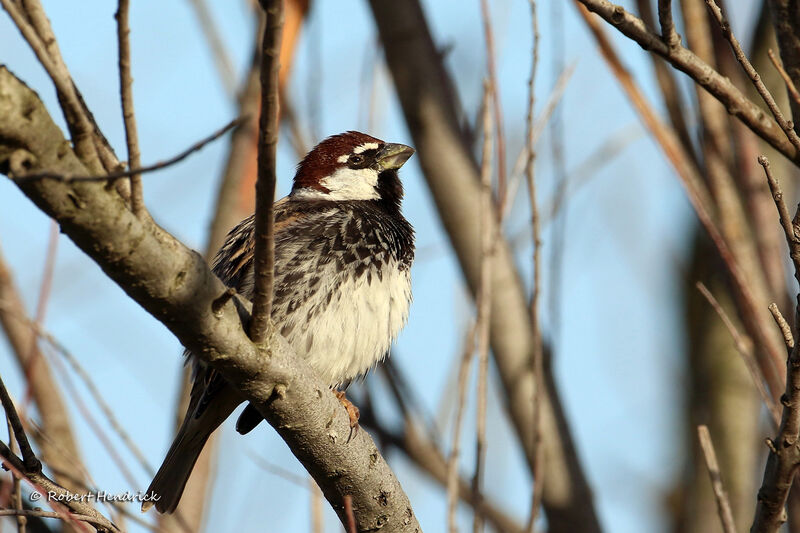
<point x="352" y="166"/>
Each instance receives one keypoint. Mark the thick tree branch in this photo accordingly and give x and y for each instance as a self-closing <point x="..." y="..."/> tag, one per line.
<point x="175" y="285"/>
<point x="423" y="87"/>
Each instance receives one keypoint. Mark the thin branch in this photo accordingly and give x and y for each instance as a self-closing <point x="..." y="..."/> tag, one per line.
<point x="484" y="299"/>
<point x="785" y="125"/>
<point x="780" y="204"/>
<point x="736" y="103"/>
<point x="723" y="504"/>
<point x="265" y="185"/>
<point x="538" y="347"/>
<point x="16" y="492"/>
<point x="786" y="330"/>
<point x="784" y="457"/>
<point x="452" y="482"/>
<point x="126" y="96"/>
<point x="785" y="75"/>
<point x="68" y="178"/>
<point x="497" y="109"/>
<point x="745" y="348"/>
<point x="699" y="198"/>
<point x="31" y="463"/>
<point x="668" y="33"/>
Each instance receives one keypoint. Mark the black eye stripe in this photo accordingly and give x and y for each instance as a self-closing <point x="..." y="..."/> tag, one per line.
<point x="362" y="159"/>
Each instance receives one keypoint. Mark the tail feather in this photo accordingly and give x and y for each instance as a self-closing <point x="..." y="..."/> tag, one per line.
<point x="169" y="482"/>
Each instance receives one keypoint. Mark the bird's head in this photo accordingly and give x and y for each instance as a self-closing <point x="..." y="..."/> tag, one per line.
<point x="352" y="166"/>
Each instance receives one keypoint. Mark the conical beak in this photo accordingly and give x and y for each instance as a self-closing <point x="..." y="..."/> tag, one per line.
<point x="392" y="156"/>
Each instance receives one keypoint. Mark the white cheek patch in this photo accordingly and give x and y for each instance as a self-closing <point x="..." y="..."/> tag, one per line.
<point x="351" y="184"/>
<point x="364" y="147"/>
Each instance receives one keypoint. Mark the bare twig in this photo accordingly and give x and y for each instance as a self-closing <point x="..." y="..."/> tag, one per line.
<point x="29" y="459"/>
<point x="126" y="96"/>
<point x="265" y="185"/>
<point x="786" y="330"/>
<point x="68" y="178"/>
<point x="783" y="212"/>
<point x="786" y="79"/>
<point x="785" y="125"/>
<point x="698" y="196"/>
<point x="537" y="278"/>
<point x="723" y="505"/>
<point x="668" y="33"/>
<point x="452" y="483"/>
<point x="16" y="492"/>
<point x="483" y="319"/>
<point x="784" y="457"/>
<point x="683" y="59"/>
<point x="496" y="107"/>
<point x="745" y="348"/>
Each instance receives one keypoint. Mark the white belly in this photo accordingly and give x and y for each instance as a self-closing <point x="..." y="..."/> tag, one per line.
<point x="355" y="330"/>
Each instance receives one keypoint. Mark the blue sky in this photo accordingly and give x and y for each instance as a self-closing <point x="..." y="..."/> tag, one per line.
<point x="619" y="354"/>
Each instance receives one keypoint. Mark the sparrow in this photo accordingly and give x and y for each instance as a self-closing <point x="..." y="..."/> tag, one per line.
<point x="342" y="286"/>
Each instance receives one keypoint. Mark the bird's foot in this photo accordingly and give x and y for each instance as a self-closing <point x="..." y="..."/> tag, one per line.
<point x="352" y="410"/>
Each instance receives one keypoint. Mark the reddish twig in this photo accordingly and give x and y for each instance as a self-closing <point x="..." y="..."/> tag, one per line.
<point x="265" y="185"/>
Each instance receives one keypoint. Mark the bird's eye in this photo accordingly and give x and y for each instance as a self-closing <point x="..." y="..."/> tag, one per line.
<point x="356" y="159"/>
